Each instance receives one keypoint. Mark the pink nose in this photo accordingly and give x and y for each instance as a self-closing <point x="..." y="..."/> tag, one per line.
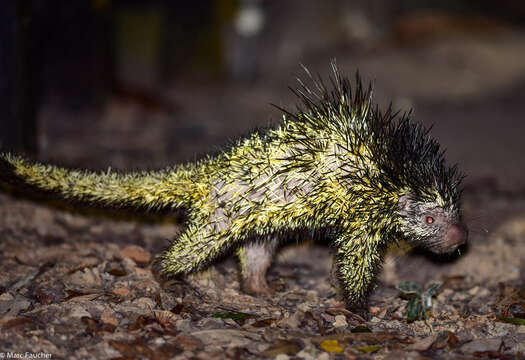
<point x="456" y="235"/>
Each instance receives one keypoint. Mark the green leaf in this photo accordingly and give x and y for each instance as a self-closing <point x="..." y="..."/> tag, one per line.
<point x="234" y="316"/>
<point x="361" y="329"/>
<point x="418" y="302"/>
<point x="415" y="309"/>
<point x="368" y="349"/>
<point x="409" y="287"/>
<point x="515" y="321"/>
<point x="433" y="289"/>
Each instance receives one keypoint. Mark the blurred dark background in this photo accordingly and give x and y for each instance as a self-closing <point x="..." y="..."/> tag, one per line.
<point x="145" y="84"/>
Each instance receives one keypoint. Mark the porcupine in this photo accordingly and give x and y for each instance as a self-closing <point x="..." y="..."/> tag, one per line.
<point x="338" y="167"/>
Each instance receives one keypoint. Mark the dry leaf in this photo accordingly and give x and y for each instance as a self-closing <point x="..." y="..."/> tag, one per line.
<point x="137" y="254"/>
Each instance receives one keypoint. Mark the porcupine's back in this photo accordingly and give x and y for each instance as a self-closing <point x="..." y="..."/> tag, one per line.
<point x="374" y="157"/>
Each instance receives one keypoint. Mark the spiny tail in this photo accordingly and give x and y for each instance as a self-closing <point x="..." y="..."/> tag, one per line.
<point x="164" y="189"/>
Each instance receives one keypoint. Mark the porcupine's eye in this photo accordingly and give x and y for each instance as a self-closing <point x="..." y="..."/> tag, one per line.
<point x="429" y="220"/>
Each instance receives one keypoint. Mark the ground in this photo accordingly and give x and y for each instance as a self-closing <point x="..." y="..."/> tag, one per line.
<point x="77" y="286"/>
<point x="82" y="287"/>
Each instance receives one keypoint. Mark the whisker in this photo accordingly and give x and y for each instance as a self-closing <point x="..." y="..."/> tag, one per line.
<point x="478" y="229"/>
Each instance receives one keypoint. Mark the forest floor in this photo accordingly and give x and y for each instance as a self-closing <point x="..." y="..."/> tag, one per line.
<point x="81" y="287"/>
<point x="78" y="286"/>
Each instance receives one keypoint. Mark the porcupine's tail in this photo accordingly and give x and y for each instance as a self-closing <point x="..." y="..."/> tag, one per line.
<point x="163" y="189"/>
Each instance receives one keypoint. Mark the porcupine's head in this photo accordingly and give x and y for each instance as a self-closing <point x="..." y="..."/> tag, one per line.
<point x="426" y="223"/>
<point x="429" y="205"/>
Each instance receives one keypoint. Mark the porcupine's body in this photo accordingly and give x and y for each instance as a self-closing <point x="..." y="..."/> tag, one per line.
<point x="338" y="167"/>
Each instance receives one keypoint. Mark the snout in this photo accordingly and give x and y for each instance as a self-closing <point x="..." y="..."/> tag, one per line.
<point x="456" y="235"/>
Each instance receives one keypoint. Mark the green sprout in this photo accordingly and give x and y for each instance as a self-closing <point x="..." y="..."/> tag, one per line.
<point x="419" y="302"/>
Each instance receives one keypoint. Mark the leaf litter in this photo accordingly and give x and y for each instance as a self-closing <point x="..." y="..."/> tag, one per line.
<point x="96" y="295"/>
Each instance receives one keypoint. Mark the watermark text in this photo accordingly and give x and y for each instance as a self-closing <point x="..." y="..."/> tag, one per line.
<point x="24" y="355"/>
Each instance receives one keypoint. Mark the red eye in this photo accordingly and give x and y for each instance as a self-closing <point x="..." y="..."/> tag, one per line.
<point x="429" y="219"/>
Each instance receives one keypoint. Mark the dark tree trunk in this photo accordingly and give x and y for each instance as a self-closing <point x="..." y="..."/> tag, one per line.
<point x="19" y="77"/>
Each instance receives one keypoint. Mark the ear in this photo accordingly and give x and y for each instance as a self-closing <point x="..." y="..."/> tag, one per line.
<point x="405" y="203"/>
